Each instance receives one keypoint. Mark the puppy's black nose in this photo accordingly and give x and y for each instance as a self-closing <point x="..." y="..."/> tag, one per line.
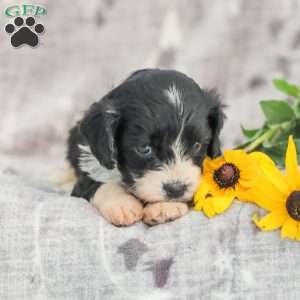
<point x="174" y="190"/>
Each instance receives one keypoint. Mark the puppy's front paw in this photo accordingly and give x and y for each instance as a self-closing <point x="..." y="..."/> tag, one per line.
<point x="117" y="206"/>
<point x="124" y="212"/>
<point x="162" y="212"/>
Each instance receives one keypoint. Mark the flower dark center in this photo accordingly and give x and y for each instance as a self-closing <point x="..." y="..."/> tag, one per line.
<point x="293" y="205"/>
<point x="227" y="175"/>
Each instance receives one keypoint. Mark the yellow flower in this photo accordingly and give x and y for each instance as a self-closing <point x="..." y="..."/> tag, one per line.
<point x="280" y="194"/>
<point x="226" y="178"/>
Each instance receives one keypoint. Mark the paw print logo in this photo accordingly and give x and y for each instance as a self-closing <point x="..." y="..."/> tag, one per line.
<point x="24" y="33"/>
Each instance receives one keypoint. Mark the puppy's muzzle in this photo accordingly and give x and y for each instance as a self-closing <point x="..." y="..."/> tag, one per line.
<point x="174" y="190"/>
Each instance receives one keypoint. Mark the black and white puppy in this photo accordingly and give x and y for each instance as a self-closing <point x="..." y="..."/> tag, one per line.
<point x="137" y="152"/>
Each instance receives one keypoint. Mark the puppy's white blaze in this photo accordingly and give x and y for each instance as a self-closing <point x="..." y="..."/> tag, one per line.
<point x="174" y="96"/>
<point x="90" y="164"/>
<point x="177" y="146"/>
<point x="150" y="186"/>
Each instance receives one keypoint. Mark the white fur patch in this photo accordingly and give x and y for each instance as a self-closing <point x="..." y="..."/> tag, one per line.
<point x="177" y="146"/>
<point x="174" y="95"/>
<point x="90" y="164"/>
<point x="150" y="186"/>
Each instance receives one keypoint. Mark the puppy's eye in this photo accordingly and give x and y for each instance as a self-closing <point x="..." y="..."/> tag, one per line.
<point x="144" y="151"/>
<point x="197" y="148"/>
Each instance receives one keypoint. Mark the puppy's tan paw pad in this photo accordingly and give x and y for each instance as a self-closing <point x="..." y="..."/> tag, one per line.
<point x="163" y="212"/>
<point x="122" y="215"/>
<point x="123" y="212"/>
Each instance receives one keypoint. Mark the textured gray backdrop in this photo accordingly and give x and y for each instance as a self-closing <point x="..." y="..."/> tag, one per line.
<point x="56" y="247"/>
<point x="237" y="46"/>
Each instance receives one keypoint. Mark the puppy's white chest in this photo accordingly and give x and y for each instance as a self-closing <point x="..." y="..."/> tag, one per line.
<point x="89" y="164"/>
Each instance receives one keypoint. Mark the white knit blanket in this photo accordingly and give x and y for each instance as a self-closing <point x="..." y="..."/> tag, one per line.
<point x="53" y="246"/>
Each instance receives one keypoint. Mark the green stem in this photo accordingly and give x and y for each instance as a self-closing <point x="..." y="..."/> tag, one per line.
<point x="296" y="108"/>
<point x="267" y="135"/>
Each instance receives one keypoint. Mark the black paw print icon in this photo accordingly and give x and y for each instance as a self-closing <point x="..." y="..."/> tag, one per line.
<point x="24" y="34"/>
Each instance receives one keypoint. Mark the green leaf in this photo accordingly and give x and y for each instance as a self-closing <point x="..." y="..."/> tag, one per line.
<point x="297" y="109"/>
<point x="283" y="133"/>
<point x="249" y="133"/>
<point x="258" y="133"/>
<point x="277" y="111"/>
<point x="282" y="120"/>
<point x="287" y="88"/>
<point x="251" y="136"/>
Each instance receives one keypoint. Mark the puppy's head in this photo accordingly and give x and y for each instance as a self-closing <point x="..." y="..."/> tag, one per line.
<point x="154" y="130"/>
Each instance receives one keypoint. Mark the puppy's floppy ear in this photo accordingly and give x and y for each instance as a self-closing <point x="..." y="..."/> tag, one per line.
<point x="99" y="128"/>
<point x="216" y="118"/>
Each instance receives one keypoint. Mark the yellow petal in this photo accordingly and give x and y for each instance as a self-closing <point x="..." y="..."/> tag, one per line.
<point x="208" y="208"/>
<point x="246" y="183"/>
<point x="227" y="192"/>
<point x="266" y="196"/>
<point x="278" y="180"/>
<point x="243" y="188"/>
<point x="210" y="165"/>
<point x="289" y="229"/>
<point x="298" y="233"/>
<point x="261" y="158"/>
<point x="232" y="156"/>
<point x="271" y="221"/>
<point x="267" y="203"/>
<point x="244" y="195"/>
<point x="198" y="205"/>
<point x="200" y="195"/>
<point x="220" y="204"/>
<point x="291" y="163"/>
<point x="202" y="191"/>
